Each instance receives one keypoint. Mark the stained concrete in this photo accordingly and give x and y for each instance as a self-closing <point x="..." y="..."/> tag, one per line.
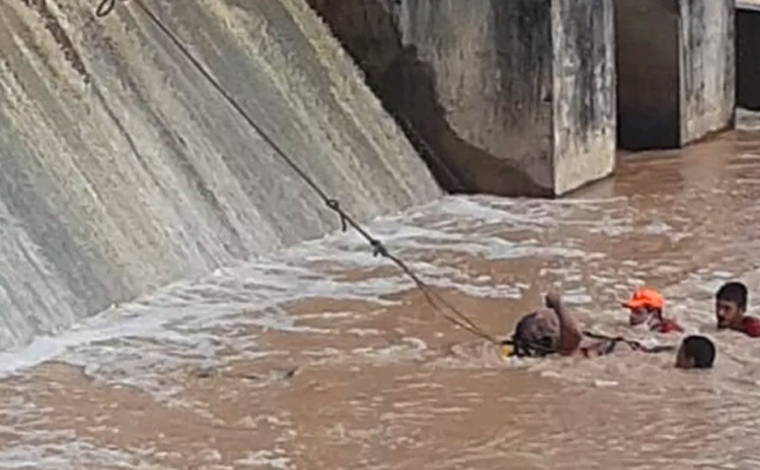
<point x="708" y="68"/>
<point x="675" y="65"/>
<point x="584" y="93"/>
<point x="748" y="55"/>
<point x="122" y="169"/>
<point x="509" y="98"/>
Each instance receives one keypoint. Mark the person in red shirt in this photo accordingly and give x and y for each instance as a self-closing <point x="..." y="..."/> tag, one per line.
<point x="730" y="308"/>
<point x="646" y="306"/>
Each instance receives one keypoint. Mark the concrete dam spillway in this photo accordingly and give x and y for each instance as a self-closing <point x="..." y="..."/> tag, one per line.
<point x="127" y="178"/>
<point x="123" y="170"/>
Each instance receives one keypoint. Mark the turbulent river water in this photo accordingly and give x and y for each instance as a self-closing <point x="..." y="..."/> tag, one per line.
<point x="323" y="357"/>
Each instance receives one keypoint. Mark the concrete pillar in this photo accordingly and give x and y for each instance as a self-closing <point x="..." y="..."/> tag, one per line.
<point x="504" y="97"/>
<point x="675" y="66"/>
<point x="748" y="54"/>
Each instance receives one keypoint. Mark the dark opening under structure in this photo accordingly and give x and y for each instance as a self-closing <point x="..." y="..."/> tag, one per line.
<point x="647" y="60"/>
<point x="748" y="55"/>
<point x="675" y="71"/>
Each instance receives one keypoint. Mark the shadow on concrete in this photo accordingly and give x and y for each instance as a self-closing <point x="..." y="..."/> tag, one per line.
<point x="405" y="84"/>
<point x="648" y="74"/>
<point x="748" y="58"/>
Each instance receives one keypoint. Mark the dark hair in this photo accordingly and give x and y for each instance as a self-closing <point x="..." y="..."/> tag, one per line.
<point x="535" y="336"/>
<point x="733" y="292"/>
<point x="700" y="350"/>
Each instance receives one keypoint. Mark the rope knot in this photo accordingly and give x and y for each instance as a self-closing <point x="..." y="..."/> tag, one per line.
<point x="378" y="248"/>
<point x="105" y="7"/>
<point x="335" y="205"/>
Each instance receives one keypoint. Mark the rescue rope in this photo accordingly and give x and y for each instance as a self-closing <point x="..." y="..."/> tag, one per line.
<point x="433" y="298"/>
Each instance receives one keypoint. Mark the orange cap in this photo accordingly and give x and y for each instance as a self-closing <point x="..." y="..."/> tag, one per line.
<point x="647" y="298"/>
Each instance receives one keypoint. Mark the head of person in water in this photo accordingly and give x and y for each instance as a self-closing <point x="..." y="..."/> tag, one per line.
<point x="536" y="334"/>
<point x="730" y="304"/>
<point x="695" y="352"/>
<point x="645" y="305"/>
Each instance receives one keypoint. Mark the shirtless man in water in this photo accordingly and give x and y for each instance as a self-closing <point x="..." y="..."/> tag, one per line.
<point x="731" y="307"/>
<point x="554" y="330"/>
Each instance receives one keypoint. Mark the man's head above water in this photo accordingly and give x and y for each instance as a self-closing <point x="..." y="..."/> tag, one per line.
<point x="536" y="334"/>
<point x="696" y="352"/>
<point x="730" y="305"/>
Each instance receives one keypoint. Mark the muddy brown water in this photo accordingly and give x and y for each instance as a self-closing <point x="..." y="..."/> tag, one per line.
<point x="322" y="357"/>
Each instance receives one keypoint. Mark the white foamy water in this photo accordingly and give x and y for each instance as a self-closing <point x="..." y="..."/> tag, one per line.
<point x="594" y="250"/>
<point x="177" y="319"/>
<point x="175" y="314"/>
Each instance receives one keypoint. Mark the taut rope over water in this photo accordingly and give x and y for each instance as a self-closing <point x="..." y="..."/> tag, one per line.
<point x="434" y="299"/>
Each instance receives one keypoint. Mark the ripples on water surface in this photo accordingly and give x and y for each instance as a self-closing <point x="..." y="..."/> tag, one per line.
<point x="324" y="357"/>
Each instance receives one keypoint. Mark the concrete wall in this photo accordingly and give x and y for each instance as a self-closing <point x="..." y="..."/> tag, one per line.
<point x="748" y="56"/>
<point x="584" y="92"/>
<point x="482" y="85"/>
<point x="122" y="169"/>
<point x="708" y="67"/>
<point x="675" y="66"/>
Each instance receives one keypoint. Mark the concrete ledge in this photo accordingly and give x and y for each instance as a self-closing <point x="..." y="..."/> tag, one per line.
<point x="503" y="97"/>
<point x="753" y="5"/>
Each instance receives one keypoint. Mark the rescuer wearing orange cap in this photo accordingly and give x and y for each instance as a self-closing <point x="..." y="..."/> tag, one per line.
<point x="646" y="306"/>
<point x="555" y="331"/>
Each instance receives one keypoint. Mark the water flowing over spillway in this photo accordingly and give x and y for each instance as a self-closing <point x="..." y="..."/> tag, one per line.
<point x="123" y="169"/>
<point x="243" y="339"/>
<point x="321" y="356"/>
